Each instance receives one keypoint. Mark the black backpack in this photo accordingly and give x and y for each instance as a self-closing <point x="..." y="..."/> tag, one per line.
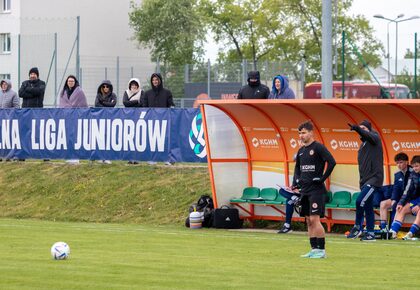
<point x="204" y="204"/>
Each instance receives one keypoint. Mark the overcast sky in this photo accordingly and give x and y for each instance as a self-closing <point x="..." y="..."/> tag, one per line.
<point x="389" y="9"/>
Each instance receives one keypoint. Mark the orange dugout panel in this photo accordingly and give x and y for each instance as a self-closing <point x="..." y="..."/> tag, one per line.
<point x="258" y="139"/>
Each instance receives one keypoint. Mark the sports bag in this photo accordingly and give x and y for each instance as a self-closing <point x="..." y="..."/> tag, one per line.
<point x="226" y="218"/>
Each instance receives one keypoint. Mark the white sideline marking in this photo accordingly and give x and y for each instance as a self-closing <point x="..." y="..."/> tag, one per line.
<point x="196" y="233"/>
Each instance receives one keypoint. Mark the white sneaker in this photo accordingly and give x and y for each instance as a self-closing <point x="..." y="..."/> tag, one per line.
<point x="393" y="233"/>
<point x="408" y="236"/>
<point x="310" y="253"/>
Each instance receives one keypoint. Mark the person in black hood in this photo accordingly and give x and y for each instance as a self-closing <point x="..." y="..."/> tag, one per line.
<point x="157" y="96"/>
<point x="105" y="96"/>
<point x="32" y="91"/>
<point x="254" y="89"/>
<point x="371" y="172"/>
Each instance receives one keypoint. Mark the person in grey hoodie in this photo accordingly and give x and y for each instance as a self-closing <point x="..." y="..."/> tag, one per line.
<point x="8" y="97"/>
<point x="281" y="89"/>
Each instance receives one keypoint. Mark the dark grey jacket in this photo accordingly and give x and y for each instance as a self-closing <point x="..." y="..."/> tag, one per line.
<point x="109" y="100"/>
<point x="370" y="158"/>
<point x="32" y="93"/>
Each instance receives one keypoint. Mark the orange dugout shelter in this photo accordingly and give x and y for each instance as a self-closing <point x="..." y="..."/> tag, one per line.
<point x="253" y="142"/>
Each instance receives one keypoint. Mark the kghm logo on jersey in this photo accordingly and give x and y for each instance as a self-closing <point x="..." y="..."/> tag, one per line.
<point x="196" y="137"/>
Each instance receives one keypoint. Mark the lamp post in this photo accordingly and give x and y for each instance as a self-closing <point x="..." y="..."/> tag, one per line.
<point x="396" y="42"/>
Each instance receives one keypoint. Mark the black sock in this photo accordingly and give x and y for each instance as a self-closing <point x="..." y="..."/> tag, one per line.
<point x="321" y="243"/>
<point x="313" y="242"/>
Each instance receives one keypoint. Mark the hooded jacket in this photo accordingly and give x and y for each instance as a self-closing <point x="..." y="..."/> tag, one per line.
<point x="254" y="90"/>
<point x="132" y="99"/>
<point x="370" y="158"/>
<point x="157" y="97"/>
<point x="412" y="189"/>
<point x="32" y="92"/>
<point x="285" y="91"/>
<point x="76" y="99"/>
<point x="8" y="98"/>
<point x="109" y="100"/>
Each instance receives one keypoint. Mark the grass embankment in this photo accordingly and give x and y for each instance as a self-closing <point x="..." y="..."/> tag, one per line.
<point x="99" y="192"/>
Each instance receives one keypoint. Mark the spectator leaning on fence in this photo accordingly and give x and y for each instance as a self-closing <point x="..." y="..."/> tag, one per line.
<point x="72" y="95"/>
<point x="8" y="97"/>
<point x="254" y="89"/>
<point x="371" y="172"/>
<point x="157" y="96"/>
<point x="409" y="202"/>
<point x="105" y="96"/>
<point x="281" y="89"/>
<point x="32" y="91"/>
<point x="133" y="94"/>
<point x="400" y="181"/>
<point x="131" y="99"/>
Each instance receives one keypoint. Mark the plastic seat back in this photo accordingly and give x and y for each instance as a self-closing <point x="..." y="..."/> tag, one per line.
<point x="250" y="193"/>
<point x="341" y="198"/>
<point x="269" y="194"/>
<point x="354" y="198"/>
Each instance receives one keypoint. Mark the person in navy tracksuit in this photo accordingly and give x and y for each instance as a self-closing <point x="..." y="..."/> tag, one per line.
<point x="400" y="181"/>
<point x="409" y="202"/>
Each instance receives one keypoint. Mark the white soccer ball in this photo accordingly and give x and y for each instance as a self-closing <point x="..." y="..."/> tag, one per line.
<point x="60" y="251"/>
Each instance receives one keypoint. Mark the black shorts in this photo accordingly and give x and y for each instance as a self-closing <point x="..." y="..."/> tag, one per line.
<point x="314" y="203"/>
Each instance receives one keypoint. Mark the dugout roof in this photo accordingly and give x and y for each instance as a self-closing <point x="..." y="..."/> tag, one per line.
<point x="240" y="133"/>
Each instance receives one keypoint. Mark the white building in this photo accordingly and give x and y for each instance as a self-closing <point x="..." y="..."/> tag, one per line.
<point x="33" y="32"/>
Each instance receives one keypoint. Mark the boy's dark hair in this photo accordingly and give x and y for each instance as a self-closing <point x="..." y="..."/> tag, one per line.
<point x="306" y="125"/>
<point x="416" y="159"/>
<point x="401" y="157"/>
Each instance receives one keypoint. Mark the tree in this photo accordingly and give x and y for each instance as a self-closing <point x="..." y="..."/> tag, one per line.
<point x="410" y="54"/>
<point x="287" y="30"/>
<point x="171" y="29"/>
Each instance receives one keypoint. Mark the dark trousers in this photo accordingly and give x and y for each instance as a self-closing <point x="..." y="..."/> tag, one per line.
<point x="289" y="213"/>
<point x="364" y="207"/>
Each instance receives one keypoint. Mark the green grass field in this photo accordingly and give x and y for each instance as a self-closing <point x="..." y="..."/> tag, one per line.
<point x="128" y="256"/>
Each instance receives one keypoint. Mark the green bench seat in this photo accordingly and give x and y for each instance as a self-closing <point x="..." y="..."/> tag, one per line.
<point x="248" y="194"/>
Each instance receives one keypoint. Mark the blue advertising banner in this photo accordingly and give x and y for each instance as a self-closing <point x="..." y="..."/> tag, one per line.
<point x="146" y="134"/>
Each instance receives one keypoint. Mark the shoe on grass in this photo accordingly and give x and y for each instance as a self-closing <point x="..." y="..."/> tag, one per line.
<point x="354" y="233"/>
<point x="408" y="236"/>
<point x="285" y="230"/>
<point x="310" y="253"/>
<point x="368" y="238"/>
<point x="393" y="234"/>
<point x="320" y="254"/>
